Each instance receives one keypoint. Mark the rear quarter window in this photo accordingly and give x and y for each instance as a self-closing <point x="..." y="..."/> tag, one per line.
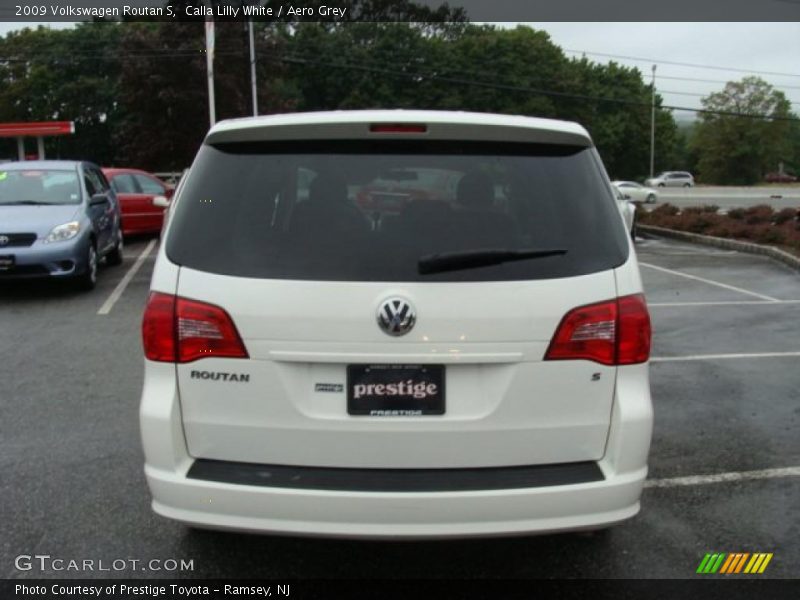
<point x="369" y="211"/>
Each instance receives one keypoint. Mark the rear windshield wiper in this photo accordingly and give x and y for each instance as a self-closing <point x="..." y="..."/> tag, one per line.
<point x="27" y="203"/>
<point x="470" y="259"/>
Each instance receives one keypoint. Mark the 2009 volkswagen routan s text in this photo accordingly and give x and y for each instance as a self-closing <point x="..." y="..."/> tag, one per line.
<point x="396" y="324"/>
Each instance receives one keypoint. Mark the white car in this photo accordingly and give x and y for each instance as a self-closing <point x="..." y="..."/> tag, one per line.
<point x="627" y="210"/>
<point x="671" y="179"/>
<point x="636" y="191"/>
<point x="473" y="364"/>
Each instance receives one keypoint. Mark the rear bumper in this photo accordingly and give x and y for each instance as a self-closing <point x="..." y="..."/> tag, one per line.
<point x="394" y="514"/>
<point x="244" y="505"/>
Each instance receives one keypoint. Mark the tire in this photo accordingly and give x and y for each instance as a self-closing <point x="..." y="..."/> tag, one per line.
<point x="651" y="199"/>
<point x="687" y="185"/>
<point x="88" y="280"/>
<point x="114" y="257"/>
<point x="661" y="185"/>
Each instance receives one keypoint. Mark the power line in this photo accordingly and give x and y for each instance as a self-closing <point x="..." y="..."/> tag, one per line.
<point x="680" y="64"/>
<point x="722" y="81"/>
<point x="164" y="54"/>
<point x="552" y="93"/>
<point x="698" y="95"/>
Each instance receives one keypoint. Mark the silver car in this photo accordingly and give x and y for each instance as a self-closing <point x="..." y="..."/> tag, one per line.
<point x="671" y="179"/>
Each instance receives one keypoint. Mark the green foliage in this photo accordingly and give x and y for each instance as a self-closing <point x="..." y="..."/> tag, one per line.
<point x="137" y="90"/>
<point x="740" y="150"/>
<point x="69" y="75"/>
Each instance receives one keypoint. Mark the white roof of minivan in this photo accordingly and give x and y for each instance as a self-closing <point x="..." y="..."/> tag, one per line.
<point x="439" y="125"/>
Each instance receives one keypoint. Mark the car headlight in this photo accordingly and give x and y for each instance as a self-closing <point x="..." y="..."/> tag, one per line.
<point x="64" y="232"/>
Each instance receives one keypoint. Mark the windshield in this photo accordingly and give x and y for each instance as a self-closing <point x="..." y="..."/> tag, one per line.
<point x="39" y="187"/>
<point x="367" y="211"/>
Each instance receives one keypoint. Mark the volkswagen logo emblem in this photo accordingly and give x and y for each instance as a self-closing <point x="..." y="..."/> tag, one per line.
<point x="4" y="239"/>
<point x="396" y="316"/>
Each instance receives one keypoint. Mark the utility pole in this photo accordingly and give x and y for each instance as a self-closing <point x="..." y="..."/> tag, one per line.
<point x="212" y="112"/>
<point x="653" y="126"/>
<point x="253" y="68"/>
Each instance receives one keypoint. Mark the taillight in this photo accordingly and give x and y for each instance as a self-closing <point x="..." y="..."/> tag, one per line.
<point x="633" y="336"/>
<point x="615" y="332"/>
<point x="179" y="330"/>
<point x="158" y="328"/>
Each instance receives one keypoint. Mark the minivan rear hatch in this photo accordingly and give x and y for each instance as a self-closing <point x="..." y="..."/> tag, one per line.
<point x="319" y="249"/>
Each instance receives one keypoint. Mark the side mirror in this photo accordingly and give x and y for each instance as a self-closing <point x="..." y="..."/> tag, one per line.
<point x="98" y="200"/>
<point x="161" y="201"/>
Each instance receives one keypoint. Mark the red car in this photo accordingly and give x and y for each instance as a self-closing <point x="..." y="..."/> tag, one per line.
<point x="779" y="178"/>
<point x="136" y="191"/>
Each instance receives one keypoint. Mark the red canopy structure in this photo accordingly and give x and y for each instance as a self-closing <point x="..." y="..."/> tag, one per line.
<point x="39" y="130"/>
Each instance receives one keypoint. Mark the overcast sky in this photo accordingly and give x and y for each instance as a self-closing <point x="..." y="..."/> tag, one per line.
<point x="758" y="48"/>
<point x="765" y="49"/>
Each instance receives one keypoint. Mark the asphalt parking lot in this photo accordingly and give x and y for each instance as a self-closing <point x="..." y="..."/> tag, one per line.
<point x="725" y="459"/>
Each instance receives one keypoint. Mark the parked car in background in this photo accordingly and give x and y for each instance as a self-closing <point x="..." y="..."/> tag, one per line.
<point x="476" y="364"/>
<point x="636" y="191"/>
<point x="671" y="179"/>
<point x="58" y="219"/>
<point x="627" y="209"/>
<point x="139" y="193"/>
<point x="778" y="177"/>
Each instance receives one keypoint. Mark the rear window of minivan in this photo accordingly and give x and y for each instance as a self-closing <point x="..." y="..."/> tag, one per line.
<point x="371" y="210"/>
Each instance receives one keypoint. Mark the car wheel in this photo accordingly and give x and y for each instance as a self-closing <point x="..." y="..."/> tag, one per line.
<point x="687" y="185"/>
<point x="651" y="199"/>
<point x="88" y="279"/>
<point x="661" y="185"/>
<point x="115" y="256"/>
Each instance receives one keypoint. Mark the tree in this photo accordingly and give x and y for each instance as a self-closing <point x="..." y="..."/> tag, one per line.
<point x="66" y="75"/>
<point x="734" y="149"/>
<point x="619" y="117"/>
<point x="163" y="88"/>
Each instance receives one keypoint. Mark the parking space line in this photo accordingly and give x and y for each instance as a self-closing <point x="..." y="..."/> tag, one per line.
<point x="723" y="356"/>
<point x="709" y="282"/>
<point x="723" y="303"/>
<point x="723" y="477"/>
<point x="117" y="293"/>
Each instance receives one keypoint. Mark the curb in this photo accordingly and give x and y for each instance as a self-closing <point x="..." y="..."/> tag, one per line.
<point x="707" y="240"/>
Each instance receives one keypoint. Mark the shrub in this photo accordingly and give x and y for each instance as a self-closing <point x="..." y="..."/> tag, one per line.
<point x="711" y="208"/>
<point x="698" y="225"/>
<point x="665" y="210"/>
<point x="784" y="215"/>
<point x="770" y="235"/>
<point x="756" y="215"/>
<point x="720" y="230"/>
<point x="693" y="210"/>
<point x="759" y="224"/>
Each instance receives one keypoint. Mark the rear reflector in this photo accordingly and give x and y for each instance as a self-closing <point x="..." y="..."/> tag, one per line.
<point x="179" y="330"/>
<point x="398" y="128"/>
<point x="615" y="332"/>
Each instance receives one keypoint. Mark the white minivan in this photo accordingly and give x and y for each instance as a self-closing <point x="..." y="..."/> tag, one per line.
<point x="396" y="324"/>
